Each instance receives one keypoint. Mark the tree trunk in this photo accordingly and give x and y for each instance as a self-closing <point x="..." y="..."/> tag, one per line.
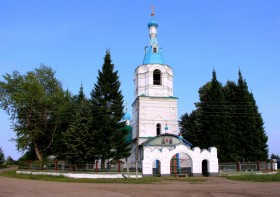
<point x="38" y="153"/>
<point x="102" y="163"/>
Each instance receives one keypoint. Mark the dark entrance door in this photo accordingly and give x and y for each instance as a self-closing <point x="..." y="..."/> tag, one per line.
<point x="205" y="168"/>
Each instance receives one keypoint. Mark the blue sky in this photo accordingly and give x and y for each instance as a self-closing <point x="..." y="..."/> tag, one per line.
<point x="196" y="36"/>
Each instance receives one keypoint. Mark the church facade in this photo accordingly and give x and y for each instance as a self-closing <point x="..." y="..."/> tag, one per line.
<point x="157" y="144"/>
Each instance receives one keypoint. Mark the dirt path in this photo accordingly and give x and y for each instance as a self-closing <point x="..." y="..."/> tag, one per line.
<point x="214" y="186"/>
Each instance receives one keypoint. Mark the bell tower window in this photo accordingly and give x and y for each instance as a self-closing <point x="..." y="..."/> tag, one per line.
<point x="158" y="128"/>
<point x="157" y="77"/>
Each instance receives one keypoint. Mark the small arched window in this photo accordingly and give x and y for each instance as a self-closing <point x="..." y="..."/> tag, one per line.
<point x="155" y="49"/>
<point x="157" y="77"/>
<point x="158" y="128"/>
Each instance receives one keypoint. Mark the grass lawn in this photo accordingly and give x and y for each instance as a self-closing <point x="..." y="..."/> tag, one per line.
<point x="255" y="177"/>
<point x="144" y="180"/>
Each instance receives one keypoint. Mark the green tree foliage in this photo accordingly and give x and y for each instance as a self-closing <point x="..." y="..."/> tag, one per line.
<point x="79" y="137"/>
<point x="251" y="139"/>
<point x="107" y="110"/>
<point x="184" y="124"/>
<point x="275" y="156"/>
<point x="211" y="112"/>
<point x="227" y="117"/>
<point x="67" y="115"/>
<point x="33" y="102"/>
<point x="10" y="160"/>
<point x="208" y="124"/>
<point x="190" y="127"/>
<point x="2" y="156"/>
<point x="29" y="155"/>
<point x="230" y="92"/>
<point x="246" y="123"/>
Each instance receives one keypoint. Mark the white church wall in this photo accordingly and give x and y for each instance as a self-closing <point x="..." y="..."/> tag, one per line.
<point x="154" y="110"/>
<point x="157" y="110"/>
<point x="164" y="155"/>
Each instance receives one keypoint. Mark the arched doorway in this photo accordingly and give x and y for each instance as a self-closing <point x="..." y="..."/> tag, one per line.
<point x="180" y="164"/>
<point x="205" y="168"/>
<point x="156" y="168"/>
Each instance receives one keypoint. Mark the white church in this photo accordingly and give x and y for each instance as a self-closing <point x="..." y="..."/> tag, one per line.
<point x="157" y="144"/>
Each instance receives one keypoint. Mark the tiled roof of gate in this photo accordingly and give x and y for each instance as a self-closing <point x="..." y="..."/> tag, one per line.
<point x="166" y="139"/>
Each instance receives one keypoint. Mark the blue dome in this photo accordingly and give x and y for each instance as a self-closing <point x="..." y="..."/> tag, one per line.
<point x="153" y="23"/>
<point x="126" y="116"/>
<point x="153" y="58"/>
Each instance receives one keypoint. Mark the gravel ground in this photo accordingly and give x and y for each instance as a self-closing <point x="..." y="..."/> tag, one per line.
<point x="214" y="186"/>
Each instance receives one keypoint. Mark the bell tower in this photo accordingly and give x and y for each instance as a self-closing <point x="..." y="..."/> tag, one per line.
<point x="155" y="107"/>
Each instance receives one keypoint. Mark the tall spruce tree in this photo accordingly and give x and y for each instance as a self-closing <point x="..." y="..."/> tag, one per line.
<point x="107" y="110"/>
<point x="260" y="142"/>
<point x="227" y="117"/>
<point x="231" y="141"/>
<point x="249" y="133"/>
<point x="79" y="139"/>
<point x="213" y="117"/>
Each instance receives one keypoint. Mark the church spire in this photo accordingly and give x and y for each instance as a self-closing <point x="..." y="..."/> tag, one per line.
<point x="153" y="51"/>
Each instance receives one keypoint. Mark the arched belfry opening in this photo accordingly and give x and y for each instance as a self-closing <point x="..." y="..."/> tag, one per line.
<point x="158" y="129"/>
<point x="157" y="77"/>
